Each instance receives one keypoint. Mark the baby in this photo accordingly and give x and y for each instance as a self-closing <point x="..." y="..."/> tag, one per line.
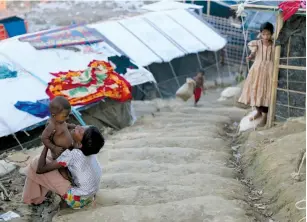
<point x="56" y="135"/>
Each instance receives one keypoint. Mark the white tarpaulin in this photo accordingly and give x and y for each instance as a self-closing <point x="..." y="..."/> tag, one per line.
<point x="26" y="60"/>
<point x="157" y="37"/>
<point x="127" y="42"/>
<point x="152" y="38"/>
<point x="199" y="29"/>
<point x="176" y="32"/>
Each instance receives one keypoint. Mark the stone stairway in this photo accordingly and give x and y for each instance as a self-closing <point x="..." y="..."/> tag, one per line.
<point x="169" y="167"/>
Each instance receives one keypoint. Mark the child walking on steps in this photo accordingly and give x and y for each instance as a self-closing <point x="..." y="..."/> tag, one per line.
<point x="257" y="88"/>
<point x="199" y="88"/>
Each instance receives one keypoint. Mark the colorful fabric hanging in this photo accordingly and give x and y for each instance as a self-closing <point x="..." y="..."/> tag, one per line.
<point x="289" y="8"/>
<point x="96" y="82"/>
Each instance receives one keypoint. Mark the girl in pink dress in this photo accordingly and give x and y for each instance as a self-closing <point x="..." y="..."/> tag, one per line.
<point x="257" y="87"/>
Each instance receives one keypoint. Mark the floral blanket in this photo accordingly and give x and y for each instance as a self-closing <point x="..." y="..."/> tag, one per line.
<point x="96" y="82"/>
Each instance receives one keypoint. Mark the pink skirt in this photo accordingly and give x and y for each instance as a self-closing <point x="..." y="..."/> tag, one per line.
<point x="37" y="185"/>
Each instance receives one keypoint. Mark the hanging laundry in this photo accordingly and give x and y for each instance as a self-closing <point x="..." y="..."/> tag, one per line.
<point x="122" y="63"/>
<point x="5" y="72"/>
<point x="90" y="85"/>
<point x="289" y="8"/>
<point x="39" y="108"/>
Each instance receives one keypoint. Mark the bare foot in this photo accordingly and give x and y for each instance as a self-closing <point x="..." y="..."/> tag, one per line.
<point x="258" y="115"/>
<point x="63" y="205"/>
<point x="263" y="121"/>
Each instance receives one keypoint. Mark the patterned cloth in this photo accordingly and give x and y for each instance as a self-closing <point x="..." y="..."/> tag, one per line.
<point x="257" y="86"/>
<point x="85" y="170"/>
<point x="77" y="202"/>
<point x="99" y="80"/>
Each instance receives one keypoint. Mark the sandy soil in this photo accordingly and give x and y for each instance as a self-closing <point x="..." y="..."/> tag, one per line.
<point x="270" y="160"/>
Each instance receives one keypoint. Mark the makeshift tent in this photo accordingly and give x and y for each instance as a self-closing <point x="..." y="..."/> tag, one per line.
<point x="163" y="42"/>
<point x="288" y="93"/>
<point x="26" y="71"/>
<point x="166" y="44"/>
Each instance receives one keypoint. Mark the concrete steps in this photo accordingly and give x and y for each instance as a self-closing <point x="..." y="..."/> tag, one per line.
<point x="171" y="166"/>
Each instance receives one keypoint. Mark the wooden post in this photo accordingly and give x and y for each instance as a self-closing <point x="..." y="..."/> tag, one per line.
<point x="272" y="107"/>
<point x="208" y="7"/>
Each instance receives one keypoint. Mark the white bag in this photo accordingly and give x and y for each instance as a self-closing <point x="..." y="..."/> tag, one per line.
<point x="186" y="90"/>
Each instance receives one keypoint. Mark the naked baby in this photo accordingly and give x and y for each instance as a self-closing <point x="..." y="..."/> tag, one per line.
<point x="56" y="135"/>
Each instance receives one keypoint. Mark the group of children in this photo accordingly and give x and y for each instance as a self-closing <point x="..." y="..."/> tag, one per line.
<point x="257" y="87"/>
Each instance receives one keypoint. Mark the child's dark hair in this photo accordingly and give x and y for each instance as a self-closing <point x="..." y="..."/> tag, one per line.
<point x="92" y="141"/>
<point x="201" y="71"/>
<point x="267" y="26"/>
<point x="58" y="104"/>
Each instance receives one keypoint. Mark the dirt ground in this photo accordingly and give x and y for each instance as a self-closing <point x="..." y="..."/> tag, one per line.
<point x="270" y="162"/>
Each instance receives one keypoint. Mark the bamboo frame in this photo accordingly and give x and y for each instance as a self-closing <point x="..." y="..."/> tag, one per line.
<point x="292" y="67"/>
<point x="208" y="7"/>
<point x="279" y="24"/>
<point x="288" y="94"/>
<point x="289" y="90"/>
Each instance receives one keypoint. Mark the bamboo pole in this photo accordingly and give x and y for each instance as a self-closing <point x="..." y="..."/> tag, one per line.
<point x="272" y="107"/>
<point x="292" y="67"/>
<point x="288" y="94"/>
<point x="291" y="91"/>
<point x="208" y="6"/>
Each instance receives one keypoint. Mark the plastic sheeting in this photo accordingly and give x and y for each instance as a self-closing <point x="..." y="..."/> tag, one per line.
<point x="33" y="68"/>
<point x="175" y="31"/>
<point x="127" y="42"/>
<point x="151" y="37"/>
<point x="199" y="29"/>
<point x="109" y="114"/>
<point x="146" y="42"/>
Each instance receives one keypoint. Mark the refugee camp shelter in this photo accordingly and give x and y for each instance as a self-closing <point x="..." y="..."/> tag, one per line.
<point x="288" y="92"/>
<point x="166" y="44"/>
<point x="163" y="42"/>
<point x="28" y="64"/>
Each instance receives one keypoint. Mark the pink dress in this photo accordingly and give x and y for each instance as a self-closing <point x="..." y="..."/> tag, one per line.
<point x="257" y="86"/>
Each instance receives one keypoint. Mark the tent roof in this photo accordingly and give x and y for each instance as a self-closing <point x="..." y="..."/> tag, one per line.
<point x="33" y="68"/>
<point x="170" y="5"/>
<point x="147" y="41"/>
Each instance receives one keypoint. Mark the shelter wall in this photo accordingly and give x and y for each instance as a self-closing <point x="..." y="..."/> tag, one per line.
<point x="291" y="90"/>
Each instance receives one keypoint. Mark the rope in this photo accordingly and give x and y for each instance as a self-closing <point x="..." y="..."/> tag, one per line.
<point x="301" y="208"/>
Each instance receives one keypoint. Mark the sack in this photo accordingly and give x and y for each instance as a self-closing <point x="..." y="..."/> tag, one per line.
<point x="186" y="90"/>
